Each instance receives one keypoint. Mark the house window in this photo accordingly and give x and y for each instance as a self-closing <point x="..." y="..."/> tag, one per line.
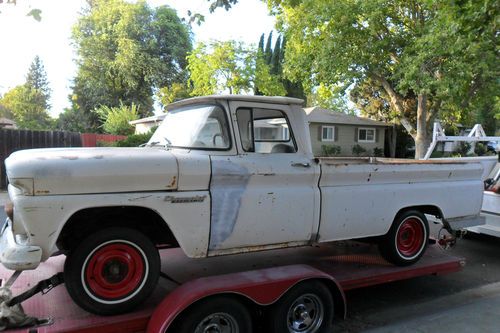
<point x="366" y="135"/>
<point x="327" y="133"/>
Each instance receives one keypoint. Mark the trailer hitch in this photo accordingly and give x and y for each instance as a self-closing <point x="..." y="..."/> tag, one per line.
<point x="449" y="239"/>
<point x="12" y="314"/>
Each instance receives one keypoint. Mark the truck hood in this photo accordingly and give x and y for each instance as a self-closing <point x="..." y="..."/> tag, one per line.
<point x="94" y="170"/>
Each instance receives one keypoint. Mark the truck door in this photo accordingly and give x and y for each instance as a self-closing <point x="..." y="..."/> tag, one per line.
<point x="267" y="195"/>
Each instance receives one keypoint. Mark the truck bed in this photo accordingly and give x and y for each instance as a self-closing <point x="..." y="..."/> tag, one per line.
<point x="353" y="264"/>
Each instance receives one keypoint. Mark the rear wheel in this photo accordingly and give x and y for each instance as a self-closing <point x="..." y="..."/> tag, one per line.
<point x="306" y="308"/>
<point x="112" y="271"/>
<point x="407" y="239"/>
<point x="218" y="314"/>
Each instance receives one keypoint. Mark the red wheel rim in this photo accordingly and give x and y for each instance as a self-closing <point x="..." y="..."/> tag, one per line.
<point x="410" y="237"/>
<point x="114" y="271"/>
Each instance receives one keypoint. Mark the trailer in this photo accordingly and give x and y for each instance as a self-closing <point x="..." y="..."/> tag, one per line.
<point x="296" y="285"/>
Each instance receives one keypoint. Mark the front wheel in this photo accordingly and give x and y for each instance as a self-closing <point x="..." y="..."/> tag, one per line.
<point x="407" y="239"/>
<point x="112" y="271"/>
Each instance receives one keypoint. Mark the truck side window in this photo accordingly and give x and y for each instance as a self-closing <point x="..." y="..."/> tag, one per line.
<point x="265" y="131"/>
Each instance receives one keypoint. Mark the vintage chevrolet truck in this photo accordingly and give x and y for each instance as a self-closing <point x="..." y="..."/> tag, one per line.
<point x="221" y="175"/>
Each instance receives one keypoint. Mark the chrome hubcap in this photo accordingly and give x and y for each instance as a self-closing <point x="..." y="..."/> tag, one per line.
<point x="306" y="314"/>
<point x="218" y="323"/>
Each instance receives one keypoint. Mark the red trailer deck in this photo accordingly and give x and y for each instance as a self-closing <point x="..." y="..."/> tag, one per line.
<point x="351" y="264"/>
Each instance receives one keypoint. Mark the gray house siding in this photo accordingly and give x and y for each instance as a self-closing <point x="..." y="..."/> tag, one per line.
<point x="346" y="136"/>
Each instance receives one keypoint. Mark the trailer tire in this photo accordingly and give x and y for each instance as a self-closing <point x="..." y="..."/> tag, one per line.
<point x="215" y="314"/>
<point x="406" y="241"/>
<point x="306" y="308"/>
<point x="112" y="271"/>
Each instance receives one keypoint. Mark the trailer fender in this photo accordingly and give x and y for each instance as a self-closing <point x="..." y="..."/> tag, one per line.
<point x="262" y="286"/>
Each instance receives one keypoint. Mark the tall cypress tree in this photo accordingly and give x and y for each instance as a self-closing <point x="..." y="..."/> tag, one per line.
<point x="268" y="53"/>
<point x="275" y="58"/>
<point x="261" y="44"/>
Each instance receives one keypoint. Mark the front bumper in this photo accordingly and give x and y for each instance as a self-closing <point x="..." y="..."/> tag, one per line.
<point x="17" y="256"/>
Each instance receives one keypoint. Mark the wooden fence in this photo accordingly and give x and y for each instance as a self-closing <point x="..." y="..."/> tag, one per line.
<point x="12" y="140"/>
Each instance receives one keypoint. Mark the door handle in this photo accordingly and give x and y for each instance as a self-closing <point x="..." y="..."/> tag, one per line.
<point x="302" y="165"/>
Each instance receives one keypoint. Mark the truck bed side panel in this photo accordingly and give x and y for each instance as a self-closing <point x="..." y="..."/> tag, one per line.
<point x="363" y="199"/>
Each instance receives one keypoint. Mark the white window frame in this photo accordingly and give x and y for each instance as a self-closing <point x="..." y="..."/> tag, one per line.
<point x="367" y="129"/>
<point x="333" y="133"/>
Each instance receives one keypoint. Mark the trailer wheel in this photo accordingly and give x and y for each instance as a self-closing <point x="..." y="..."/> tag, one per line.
<point x="216" y="314"/>
<point x="407" y="239"/>
<point x="112" y="271"/>
<point x="306" y="308"/>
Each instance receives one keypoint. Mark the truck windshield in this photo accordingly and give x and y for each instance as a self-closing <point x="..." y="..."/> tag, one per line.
<point x="201" y="127"/>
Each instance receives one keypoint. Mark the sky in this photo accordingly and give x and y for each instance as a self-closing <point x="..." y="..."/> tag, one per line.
<point x="22" y="37"/>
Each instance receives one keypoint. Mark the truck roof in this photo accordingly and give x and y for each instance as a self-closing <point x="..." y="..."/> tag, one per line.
<point x="246" y="98"/>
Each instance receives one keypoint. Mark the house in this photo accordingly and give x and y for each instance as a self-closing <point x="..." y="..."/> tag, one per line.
<point x="335" y="133"/>
<point x="7" y="123"/>
<point x="145" y="125"/>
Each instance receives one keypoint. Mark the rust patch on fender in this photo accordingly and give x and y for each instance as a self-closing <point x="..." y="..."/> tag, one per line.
<point x="173" y="183"/>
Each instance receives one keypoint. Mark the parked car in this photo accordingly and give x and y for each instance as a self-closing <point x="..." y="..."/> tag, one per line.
<point x="492" y="146"/>
<point x="491" y="205"/>
<point x="213" y="182"/>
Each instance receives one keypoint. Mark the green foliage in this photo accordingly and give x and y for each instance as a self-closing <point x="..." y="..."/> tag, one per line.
<point x="219" y="67"/>
<point x="358" y="150"/>
<point x="330" y="150"/>
<point x="116" y="119"/>
<point x="125" y="52"/>
<point x="462" y="149"/>
<point x="27" y="106"/>
<point x="329" y="97"/>
<point x="480" y="149"/>
<point x="174" y="92"/>
<point x="269" y="77"/>
<point x="73" y="120"/>
<point x="37" y="79"/>
<point x="266" y="83"/>
<point x="378" y="152"/>
<point x="135" y="140"/>
<point x="436" y="58"/>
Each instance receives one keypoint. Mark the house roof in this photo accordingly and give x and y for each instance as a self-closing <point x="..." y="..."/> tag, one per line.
<point x="152" y="119"/>
<point x="7" y="122"/>
<point x="320" y="115"/>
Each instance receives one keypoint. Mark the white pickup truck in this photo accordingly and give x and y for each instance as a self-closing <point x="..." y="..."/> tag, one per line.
<point x="221" y="175"/>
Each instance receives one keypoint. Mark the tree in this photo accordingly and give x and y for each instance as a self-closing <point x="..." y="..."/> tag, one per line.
<point x="26" y="105"/>
<point x="73" y="120"/>
<point x="269" y="77"/>
<point x="127" y="51"/>
<point x="116" y="119"/>
<point x="175" y="92"/>
<point x="37" y="79"/>
<point x="221" y="66"/>
<point x="429" y="58"/>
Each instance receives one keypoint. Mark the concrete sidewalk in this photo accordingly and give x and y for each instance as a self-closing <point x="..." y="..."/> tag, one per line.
<point x="474" y="310"/>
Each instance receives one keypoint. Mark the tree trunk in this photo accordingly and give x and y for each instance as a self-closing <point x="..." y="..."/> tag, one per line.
<point x="421" y="139"/>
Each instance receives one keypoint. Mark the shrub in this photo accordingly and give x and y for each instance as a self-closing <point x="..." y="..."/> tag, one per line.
<point x="330" y="150"/>
<point x="134" y="140"/>
<point x="378" y="152"/>
<point x="462" y="149"/>
<point x="357" y="150"/>
<point x="480" y="149"/>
